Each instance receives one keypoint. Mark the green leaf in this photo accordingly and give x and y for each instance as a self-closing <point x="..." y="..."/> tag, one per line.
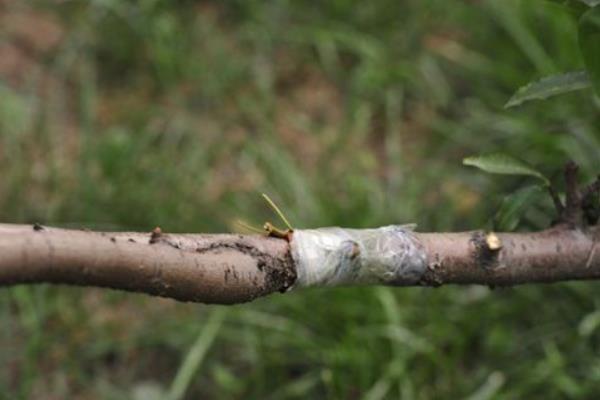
<point x="589" y="44"/>
<point x="513" y="206"/>
<point x="550" y="86"/>
<point x="504" y="164"/>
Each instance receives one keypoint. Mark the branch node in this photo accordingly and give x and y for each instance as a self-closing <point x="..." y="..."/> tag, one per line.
<point x="487" y="249"/>
<point x="155" y="235"/>
<point x="493" y="242"/>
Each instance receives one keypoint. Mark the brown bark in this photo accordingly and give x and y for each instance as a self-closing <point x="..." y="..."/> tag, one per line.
<point x="228" y="269"/>
<point x="553" y="255"/>
<point x="222" y="269"/>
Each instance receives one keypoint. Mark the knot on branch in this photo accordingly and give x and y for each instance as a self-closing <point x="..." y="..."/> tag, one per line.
<point x="487" y="248"/>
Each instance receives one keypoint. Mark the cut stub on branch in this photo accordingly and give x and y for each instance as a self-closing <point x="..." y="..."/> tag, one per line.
<point x="554" y="255"/>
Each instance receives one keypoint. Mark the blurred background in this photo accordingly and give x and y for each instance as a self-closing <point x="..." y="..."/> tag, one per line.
<point x="126" y="115"/>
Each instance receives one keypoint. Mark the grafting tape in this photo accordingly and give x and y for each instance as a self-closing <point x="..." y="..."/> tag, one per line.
<point x="342" y="257"/>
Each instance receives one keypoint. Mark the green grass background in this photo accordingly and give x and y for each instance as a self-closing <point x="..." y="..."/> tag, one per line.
<point x="120" y="115"/>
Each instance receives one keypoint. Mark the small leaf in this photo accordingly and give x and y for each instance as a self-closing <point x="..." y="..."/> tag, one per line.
<point x="550" y="86"/>
<point x="504" y="164"/>
<point x="589" y="44"/>
<point x="513" y="206"/>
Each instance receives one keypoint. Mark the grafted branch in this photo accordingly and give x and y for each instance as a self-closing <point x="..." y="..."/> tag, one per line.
<point x="228" y="269"/>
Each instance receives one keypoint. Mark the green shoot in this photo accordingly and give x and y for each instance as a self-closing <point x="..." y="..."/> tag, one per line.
<point x="277" y="211"/>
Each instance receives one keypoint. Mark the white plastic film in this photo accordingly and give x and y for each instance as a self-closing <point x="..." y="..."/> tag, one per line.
<point x="336" y="256"/>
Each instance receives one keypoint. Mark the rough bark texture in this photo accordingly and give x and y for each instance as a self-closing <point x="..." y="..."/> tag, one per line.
<point x="228" y="269"/>
<point x="222" y="269"/>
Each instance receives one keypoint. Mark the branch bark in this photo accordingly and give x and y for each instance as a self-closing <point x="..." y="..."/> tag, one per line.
<point x="227" y="269"/>
<point x="223" y="269"/>
<point x="557" y="254"/>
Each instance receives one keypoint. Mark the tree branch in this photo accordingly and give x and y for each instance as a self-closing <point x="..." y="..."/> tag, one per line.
<point x="553" y="255"/>
<point x="222" y="269"/>
<point x="228" y="269"/>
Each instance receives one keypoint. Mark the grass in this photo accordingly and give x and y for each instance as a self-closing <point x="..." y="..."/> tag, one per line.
<point x="129" y="115"/>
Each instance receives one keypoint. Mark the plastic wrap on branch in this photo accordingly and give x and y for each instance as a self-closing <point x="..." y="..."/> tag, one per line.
<point x="336" y="256"/>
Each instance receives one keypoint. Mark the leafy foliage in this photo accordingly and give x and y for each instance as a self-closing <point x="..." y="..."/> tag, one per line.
<point x="514" y="205"/>
<point x="588" y="13"/>
<point x="550" y="86"/>
<point x="504" y="164"/>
